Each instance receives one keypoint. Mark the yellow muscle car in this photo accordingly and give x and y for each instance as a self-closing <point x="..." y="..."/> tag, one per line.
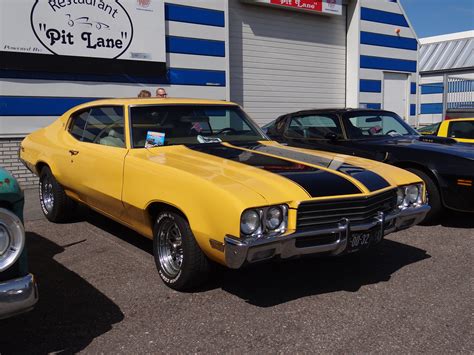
<point x="460" y="129"/>
<point x="205" y="183"/>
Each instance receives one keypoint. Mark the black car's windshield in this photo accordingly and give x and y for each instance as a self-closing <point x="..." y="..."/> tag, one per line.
<point x="157" y="125"/>
<point x="375" y="124"/>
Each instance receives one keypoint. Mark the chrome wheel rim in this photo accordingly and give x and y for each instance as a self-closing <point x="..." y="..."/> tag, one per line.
<point x="170" y="247"/>
<point x="47" y="195"/>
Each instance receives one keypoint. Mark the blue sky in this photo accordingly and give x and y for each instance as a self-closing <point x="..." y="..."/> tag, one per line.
<point x="437" y="17"/>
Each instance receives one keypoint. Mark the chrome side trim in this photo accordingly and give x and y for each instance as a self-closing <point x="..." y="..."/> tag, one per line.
<point x="17" y="296"/>
<point x="241" y="251"/>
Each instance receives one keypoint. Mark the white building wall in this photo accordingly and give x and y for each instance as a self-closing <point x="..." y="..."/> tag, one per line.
<point x="208" y="74"/>
<point x="387" y="44"/>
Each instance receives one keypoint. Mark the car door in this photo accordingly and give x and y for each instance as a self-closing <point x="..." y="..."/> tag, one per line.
<point x="97" y="153"/>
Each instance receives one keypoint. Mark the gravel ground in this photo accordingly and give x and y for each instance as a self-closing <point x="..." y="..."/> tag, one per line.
<point x="100" y="293"/>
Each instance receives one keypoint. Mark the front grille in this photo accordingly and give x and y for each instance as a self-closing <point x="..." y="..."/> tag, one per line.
<point x="318" y="213"/>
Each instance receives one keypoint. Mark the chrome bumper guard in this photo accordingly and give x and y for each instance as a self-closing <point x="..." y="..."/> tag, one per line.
<point x="239" y="252"/>
<point x="17" y="296"/>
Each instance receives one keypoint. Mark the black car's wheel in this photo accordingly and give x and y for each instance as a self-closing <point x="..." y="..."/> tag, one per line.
<point x="434" y="197"/>
<point x="56" y="205"/>
<point x="180" y="261"/>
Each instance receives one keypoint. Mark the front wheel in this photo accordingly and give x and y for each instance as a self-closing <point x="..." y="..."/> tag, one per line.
<point x="434" y="197"/>
<point x="180" y="261"/>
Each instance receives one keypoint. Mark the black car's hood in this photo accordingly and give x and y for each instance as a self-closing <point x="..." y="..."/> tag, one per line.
<point x="413" y="142"/>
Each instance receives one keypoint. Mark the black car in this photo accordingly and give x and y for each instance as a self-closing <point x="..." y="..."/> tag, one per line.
<point x="446" y="167"/>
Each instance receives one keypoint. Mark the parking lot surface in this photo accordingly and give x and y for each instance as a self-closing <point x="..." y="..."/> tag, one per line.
<point x="100" y="292"/>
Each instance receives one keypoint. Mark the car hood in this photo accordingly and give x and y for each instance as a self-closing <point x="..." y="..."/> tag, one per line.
<point x="426" y="143"/>
<point x="276" y="171"/>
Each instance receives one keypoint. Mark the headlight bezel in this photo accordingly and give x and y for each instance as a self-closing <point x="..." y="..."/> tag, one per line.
<point x="265" y="230"/>
<point x="16" y="234"/>
<point x="406" y="201"/>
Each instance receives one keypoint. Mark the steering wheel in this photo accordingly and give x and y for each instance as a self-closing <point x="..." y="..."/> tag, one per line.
<point x="227" y="129"/>
<point x="391" y="131"/>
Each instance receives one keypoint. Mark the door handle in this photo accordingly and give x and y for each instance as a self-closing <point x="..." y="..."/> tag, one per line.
<point x="74" y="152"/>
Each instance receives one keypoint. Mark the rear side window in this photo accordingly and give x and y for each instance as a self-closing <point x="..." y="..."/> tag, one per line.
<point x="100" y="125"/>
<point x="78" y="123"/>
<point x="463" y="130"/>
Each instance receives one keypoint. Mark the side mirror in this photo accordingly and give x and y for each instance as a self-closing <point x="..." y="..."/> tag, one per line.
<point x="331" y="136"/>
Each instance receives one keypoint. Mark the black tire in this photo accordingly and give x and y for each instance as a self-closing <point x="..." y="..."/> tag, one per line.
<point x="194" y="268"/>
<point x="55" y="204"/>
<point x="434" y="198"/>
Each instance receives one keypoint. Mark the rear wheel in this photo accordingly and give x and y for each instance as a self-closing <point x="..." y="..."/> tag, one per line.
<point x="434" y="197"/>
<point x="56" y="205"/>
<point x="180" y="261"/>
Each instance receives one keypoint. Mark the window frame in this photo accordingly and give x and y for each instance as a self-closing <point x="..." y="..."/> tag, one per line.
<point x="248" y="120"/>
<point x="89" y="109"/>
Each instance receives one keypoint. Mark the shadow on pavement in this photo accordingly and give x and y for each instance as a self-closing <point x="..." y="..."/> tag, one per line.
<point x="70" y="312"/>
<point x="453" y="219"/>
<point x="273" y="283"/>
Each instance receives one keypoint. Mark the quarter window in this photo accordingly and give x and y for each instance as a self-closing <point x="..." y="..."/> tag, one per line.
<point x="314" y="126"/>
<point x="78" y="123"/>
<point x="463" y="130"/>
<point x="100" y="125"/>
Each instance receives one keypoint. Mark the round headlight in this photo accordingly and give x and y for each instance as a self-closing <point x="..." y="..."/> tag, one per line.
<point x="12" y="238"/>
<point x="412" y="194"/>
<point x="4" y="239"/>
<point x="273" y="218"/>
<point x="249" y="222"/>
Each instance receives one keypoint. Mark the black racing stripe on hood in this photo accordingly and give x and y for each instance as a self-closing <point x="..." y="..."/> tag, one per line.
<point x="371" y="180"/>
<point x="318" y="183"/>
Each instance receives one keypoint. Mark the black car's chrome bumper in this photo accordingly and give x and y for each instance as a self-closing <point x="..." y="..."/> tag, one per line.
<point x="17" y="296"/>
<point x="239" y="252"/>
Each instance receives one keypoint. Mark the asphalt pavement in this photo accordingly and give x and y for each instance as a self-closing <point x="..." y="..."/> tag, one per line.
<point x="100" y="293"/>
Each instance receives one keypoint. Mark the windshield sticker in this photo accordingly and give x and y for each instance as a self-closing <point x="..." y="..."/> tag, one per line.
<point x="154" y="139"/>
<point x="202" y="139"/>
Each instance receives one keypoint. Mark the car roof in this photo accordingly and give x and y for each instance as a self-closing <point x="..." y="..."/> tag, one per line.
<point x="156" y="101"/>
<point x="334" y="111"/>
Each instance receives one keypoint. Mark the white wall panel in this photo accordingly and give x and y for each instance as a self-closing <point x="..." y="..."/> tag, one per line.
<point x="387" y="52"/>
<point x="207" y="4"/>
<point x="18" y="126"/>
<point x="181" y="29"/>
<point x="371" y="97"/>
<point x="431" y="98"/>
<point x="383" y="5"/>
<point x="425" y="120"/>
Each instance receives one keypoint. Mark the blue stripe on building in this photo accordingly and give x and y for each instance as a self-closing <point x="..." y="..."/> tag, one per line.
<point x="370" y="62"/>
<point x="197" y="77"/>
<point x="38" y="106"/>
<point x="413" y="88"/>
<point x="377" y="39"/>
<point x="412" y="110"/>
<point x="176" y="76"/>
<point x="389" y="18"/>
<point x="370" y="86"/>
<point x="435" y="88"/>
<point x="373" y="106"/>
<point x="427" y="109"/>
<point x="196" y="15"/>
<point x="195" y="46"/>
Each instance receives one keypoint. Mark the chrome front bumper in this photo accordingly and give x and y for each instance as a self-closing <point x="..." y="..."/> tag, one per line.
<point x="17" y="296"/>
<point x="239" y="252"/>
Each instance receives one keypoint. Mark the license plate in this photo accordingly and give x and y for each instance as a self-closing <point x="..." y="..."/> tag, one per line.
<point x="362" y="240"/>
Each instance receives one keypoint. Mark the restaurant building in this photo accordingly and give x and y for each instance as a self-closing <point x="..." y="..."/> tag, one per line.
<point x="270" y="56"/>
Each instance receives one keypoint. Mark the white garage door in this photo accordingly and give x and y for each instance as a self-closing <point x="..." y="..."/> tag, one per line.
<point x="283" y="61"/>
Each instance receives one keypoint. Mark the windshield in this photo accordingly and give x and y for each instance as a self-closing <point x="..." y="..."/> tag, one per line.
<point x="194" y="124"/>
<point x="376" y="124"/>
